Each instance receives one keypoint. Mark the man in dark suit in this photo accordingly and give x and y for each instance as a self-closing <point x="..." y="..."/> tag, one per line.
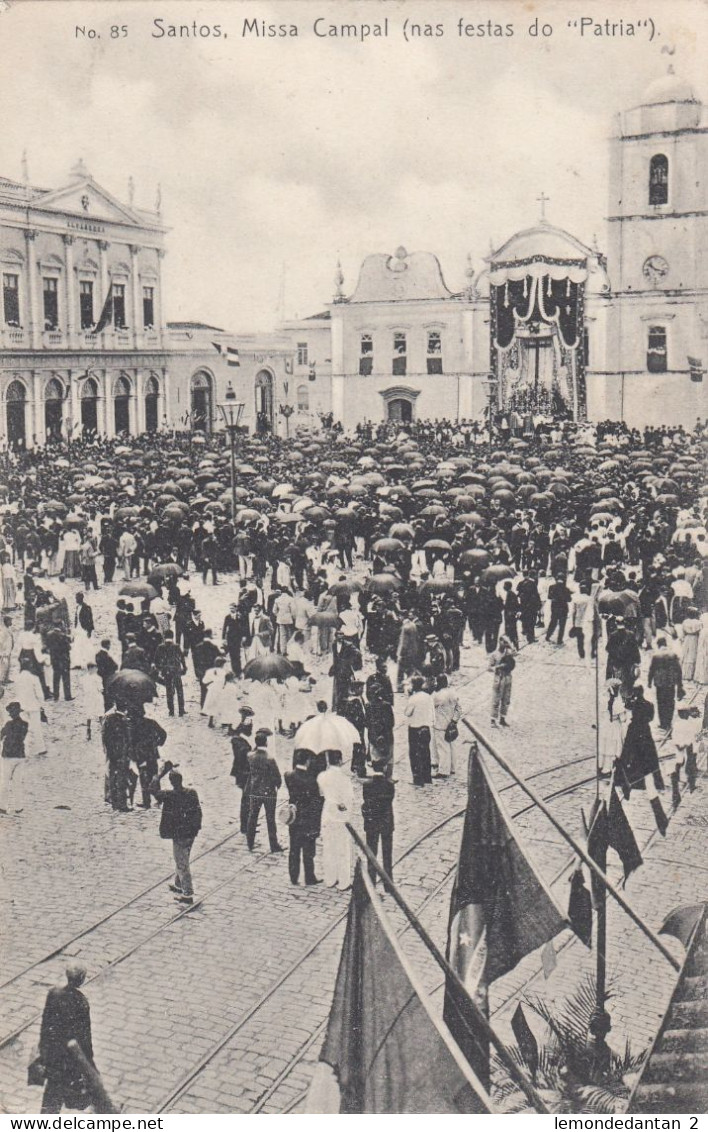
<point x="529" y="605"/>
<point x="204" y="655"/>
<point x="666" y="676"/>
<point x="84" y="615"/>
<point x="66" y="1018"/>
<point x="170" y="667"/>
<point x="232" y="634"/>
<point x="134" y="657"/>
<point x="377" y="811"/>
<point x="560" y="597"/>
<point x="59" y="649"/>
<point x="305" y="827"/>
<point x="263" y="783"/>
<point x="105" y="667"/>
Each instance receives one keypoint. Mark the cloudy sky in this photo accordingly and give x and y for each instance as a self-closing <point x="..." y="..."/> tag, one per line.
<point x="278" y="156"/>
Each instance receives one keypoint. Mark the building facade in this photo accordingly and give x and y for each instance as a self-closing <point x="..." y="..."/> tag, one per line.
<point x="82" y="344"/>
<point x="547" y="323"/>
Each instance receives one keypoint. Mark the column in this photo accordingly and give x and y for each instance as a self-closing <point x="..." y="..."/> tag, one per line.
<point x="106" y="416"/>
<point x="33" y="314"/>
<point x="70" y="321"/>
<point x="103" y="276"/>
<point x="133" y="418"/>
<point x="338" y="369"/>
<point x="159" y="326"/>
<point x="338" y="397"/>
<point x="464" y="397"/>
<point x="135" y="283"/>
<point x="140" y="380"/>
<point x="38" y="429"/>
<point x="467" y="341"/>
<point x="74" y="420"/>
<point x="165" y="411"/>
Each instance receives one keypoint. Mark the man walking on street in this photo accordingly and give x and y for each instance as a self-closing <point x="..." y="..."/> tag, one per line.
<point x="377" y="811"/>
<point x="263" y="783"/>
<point x="666" y="676"/>
<point x="559" y="596"/>
<point x="304" y="829"/>
<point x="180" y="823"/>
<point x="59" y="649"/>
<point x="170" y="666"/>
<point x="66" y="1018"/>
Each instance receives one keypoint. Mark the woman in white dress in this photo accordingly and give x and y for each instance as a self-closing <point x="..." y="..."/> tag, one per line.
<point x="689" y="644"/>
<point x="28" y="692"/>
<point x="336" y="788"/>
<point x="9" y="584"/>
<point x="91" y="694"/>
<point x="214" y="681"/>
<point x="69" y="553"/>
<point x="613" y="725"/>
<point x="700" y="674"/>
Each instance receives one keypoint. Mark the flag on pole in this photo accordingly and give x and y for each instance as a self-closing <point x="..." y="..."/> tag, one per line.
<point x="385" y="1051"/>
<point x="107" y="312"/>
<point x="499" y="912"/>
<point x="620" y="834"/>
<point x="230" y="353"/>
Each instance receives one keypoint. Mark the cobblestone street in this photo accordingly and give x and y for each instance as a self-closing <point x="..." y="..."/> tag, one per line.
<point x="221" y="1008"/>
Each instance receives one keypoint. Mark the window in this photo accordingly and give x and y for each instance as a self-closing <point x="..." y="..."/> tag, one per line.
<point x="657" y="354"/>
<point x="659" y="179"/>
<point x="11" y="299"/>
<point x="586" y="347"/>
<point x="302" y="359"/>
<point x="303" y="399"/>
<point x="366" y="355"/>
<point x="398" y="367"/>
<point x="434" y="352"/>
<point x="86" y="303"/>
<point x="119" y="306"/>
<point x="148" y="307"/>
<point x="51" y="303"/>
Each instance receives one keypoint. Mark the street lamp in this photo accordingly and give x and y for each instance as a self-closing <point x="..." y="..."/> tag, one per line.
<point x="231" y="411"/>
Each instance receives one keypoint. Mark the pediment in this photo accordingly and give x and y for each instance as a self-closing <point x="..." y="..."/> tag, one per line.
<point x="89" y="201"/>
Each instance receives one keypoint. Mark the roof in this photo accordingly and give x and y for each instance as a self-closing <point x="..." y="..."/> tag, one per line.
<point x="669" y="88"/>
<point x="194" y="326"/>
<point x="675" y="1075"/>
<point x="543" y="240"/>
<point x="315" y="317"/>
<point x="401" y="277"/>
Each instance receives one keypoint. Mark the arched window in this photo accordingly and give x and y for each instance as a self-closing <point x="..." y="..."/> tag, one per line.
<point x="53" y="408"/>
<point x="659" y="179"/>
<point x="16" y="398"/>
<point x="152" y="398"/>
<point x="89" y="405"/>
<point x="121" y="387"/>
<point x="121" y="403"/>
<point x="201" y="402"/>
<point x="16" y="392"/>
<point x="303" y="399"/>
<point x="657" y="350"/>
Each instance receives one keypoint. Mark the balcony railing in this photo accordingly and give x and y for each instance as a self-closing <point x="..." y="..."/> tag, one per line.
<point x="53" y="338"/>
<point x="14" y="336"/>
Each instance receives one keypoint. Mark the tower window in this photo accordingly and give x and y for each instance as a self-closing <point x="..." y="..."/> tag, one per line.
<point x="366" y="355"/>
<point x="302" y="358"/>
<point x="398" y="367"/>
<point x="11" y="299"/>
<point x="657" y="353"/>
<point x="86" y="303"/>
<point x="586" y="347"/>
<point x="435" y="364"/>
<point x="659" y="179"/>
<point x="303" y="399"/>
<point x="50" y="295"/>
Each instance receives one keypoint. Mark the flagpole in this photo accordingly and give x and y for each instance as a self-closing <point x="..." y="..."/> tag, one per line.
<point x="607" y="884"/>
<point x="509" y="1064"/>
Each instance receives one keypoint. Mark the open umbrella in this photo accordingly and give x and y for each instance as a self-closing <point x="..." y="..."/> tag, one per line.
<point x="164" y="571"/>
<point x="324" y="619"/>
<point x="475" y="559"/>
<point x="436" y="544"/>
<point x="327" y="732"/>
<point x="138" y="589"/>
<point x="345" y="587"/>
<point x="383" y="583"/>
<point x="132" y="685"/>
<point x="268" y="667"/>
<point x="496" y="573"/>
<point x="387" y="546"/>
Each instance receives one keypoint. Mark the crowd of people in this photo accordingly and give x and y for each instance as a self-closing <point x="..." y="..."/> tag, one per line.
<point x="357" y="571"/>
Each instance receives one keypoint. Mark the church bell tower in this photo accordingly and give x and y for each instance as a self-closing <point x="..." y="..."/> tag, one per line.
<point x="658" y="257"/>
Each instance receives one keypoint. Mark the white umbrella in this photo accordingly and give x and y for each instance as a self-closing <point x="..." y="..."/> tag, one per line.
<point x="327" y="732"/>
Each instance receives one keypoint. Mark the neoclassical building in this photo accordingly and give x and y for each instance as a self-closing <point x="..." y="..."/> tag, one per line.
<point x="82" y="343"/>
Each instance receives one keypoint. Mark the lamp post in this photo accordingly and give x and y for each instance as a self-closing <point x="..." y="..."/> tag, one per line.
<point x="286" y="410"/>
<point x="231" y="411"/>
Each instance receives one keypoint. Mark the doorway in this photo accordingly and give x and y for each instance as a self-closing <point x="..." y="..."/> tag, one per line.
<point x="53" y="409"/>
<point x="400" y="409"/>
<point x="264" y="402"/>
<point x="121" y="402"/>
<point x="201" y="407"/>
<point x="152" y="394"/>
<point x="89" y="405"/>
<point x="16" y="413"/>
